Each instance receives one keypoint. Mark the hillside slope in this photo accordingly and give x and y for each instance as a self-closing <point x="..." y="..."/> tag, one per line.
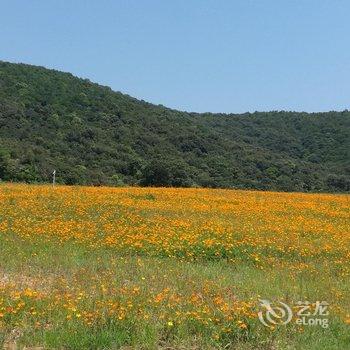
<point x="93" y="135"/>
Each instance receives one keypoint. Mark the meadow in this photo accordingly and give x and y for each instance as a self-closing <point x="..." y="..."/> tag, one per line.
<point x="165" y="268"/>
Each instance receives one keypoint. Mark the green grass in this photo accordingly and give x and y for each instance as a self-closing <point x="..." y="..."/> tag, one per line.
<point x="135" y="268"/>
<point x="42" y="266"/>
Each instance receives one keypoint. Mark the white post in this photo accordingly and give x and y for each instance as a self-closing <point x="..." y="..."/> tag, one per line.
<point x="54" y="178"/>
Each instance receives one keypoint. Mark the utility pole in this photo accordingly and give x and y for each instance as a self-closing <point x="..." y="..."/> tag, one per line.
<point x="54" y="178"/>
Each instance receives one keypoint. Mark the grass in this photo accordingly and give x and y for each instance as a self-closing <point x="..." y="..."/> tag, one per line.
<point x="87" y="268"/>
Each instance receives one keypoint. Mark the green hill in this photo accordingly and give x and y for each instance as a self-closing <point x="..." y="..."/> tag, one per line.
<point x="93" y="135"/>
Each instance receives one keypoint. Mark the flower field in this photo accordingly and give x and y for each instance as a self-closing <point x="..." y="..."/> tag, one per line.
<point x="150" y="268"/>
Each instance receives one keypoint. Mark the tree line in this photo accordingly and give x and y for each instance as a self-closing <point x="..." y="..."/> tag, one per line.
<point x="94" y="136"/>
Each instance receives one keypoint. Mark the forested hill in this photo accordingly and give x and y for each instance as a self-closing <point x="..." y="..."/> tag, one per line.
<point x="93" y="135"/>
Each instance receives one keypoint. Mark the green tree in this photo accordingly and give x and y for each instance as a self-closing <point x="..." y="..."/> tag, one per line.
<point x="4" y="164"/>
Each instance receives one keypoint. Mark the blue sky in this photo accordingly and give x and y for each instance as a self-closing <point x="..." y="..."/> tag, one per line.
<point x="195" y="55"/>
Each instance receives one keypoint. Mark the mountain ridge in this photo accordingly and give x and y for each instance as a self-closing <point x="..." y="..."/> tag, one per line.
<point x="93" y="135"/>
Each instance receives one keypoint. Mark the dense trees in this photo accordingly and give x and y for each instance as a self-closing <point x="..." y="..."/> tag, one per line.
<point x="92" y="135"/>
<point x="4" y="164"/>
<point x="166" y="172"/>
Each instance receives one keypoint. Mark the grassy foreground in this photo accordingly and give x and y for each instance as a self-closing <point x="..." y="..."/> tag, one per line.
<point x="158" y="268"/>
